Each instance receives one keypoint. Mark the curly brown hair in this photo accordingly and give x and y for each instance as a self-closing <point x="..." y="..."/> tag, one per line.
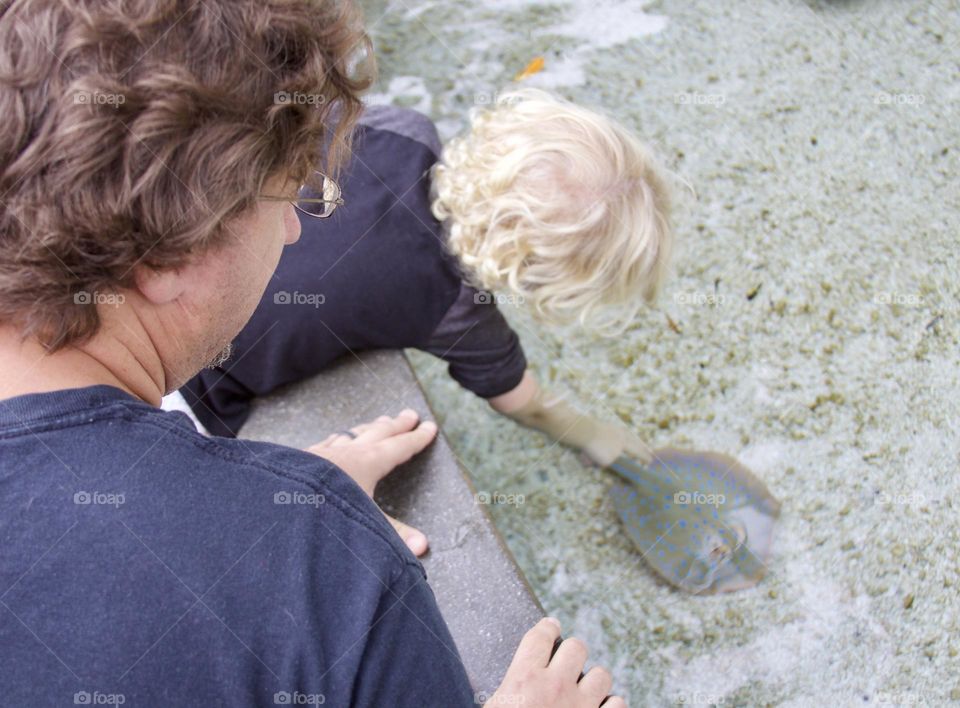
<point x="135" y="128"/>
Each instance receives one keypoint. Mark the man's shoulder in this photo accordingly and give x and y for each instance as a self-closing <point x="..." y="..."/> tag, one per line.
<point x="162" y="460"/>
<point x="208" y="546"/>
<point x="405" y="122"/>
<point x="290" y="478"/>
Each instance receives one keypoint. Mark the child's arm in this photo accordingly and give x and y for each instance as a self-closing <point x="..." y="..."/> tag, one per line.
<point x="602" y="442"/>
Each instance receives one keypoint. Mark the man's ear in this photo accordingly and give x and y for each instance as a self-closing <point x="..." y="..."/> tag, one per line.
<point x="160" y="286"/>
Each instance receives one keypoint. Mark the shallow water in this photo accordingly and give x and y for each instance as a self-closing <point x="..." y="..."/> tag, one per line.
<point x="816" y="296"/>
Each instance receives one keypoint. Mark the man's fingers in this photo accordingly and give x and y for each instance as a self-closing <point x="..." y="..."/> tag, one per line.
<point x="327" y="440"/>
<point x="399" y="448"/>
<point x="615" y="702"/>
<point x="536" y="645"/>
<point x="416" y="540"/>
<point x="376" y="448"/>
<point x="360" y="429"/>
<point x="376" y="430"/>
<point x="385" y="426"/>
<point x="597" y="683"/>
<point x="569" y="659"/>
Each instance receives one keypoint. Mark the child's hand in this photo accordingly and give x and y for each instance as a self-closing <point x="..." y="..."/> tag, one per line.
<point x="611" y="440"/>
<point x="601" y="442"/>
<point x="369" y="452"/>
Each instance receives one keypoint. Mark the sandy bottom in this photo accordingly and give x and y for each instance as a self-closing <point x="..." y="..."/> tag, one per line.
<point x="815" y="297"/>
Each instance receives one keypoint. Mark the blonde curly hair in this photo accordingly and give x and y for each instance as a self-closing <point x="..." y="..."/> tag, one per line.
<point x="559" y="205"/>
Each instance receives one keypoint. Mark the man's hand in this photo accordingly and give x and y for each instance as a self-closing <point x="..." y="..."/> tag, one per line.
<point x="374" y="450"/>
<point x="535" y="680"/>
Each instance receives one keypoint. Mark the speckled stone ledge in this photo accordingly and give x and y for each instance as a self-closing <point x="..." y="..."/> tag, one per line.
<point x="482" y="594"/>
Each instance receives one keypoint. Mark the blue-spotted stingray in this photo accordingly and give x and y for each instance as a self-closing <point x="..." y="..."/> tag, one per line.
<point x="701" y="520"/>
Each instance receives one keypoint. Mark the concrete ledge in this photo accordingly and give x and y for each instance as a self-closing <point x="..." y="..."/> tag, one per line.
<point x="482" y="594"/>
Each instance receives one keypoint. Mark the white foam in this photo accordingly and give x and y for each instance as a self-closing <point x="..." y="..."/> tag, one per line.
<point x="600" y="26"/>
<point x="412" y="89"/>
<point x="609" y="22"/>
<point x="559" y="71"/>
<point x="827" y="617"/>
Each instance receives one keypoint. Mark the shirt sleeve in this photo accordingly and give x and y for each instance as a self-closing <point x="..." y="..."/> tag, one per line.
<point x="409" y="658"/>
<point x="484" y="353"/>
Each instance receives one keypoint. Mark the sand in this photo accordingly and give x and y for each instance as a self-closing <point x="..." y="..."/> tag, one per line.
<point x="815" y="291"/>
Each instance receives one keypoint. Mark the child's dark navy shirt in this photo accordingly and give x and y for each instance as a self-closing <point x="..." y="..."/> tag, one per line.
<point x="375" y="275"/>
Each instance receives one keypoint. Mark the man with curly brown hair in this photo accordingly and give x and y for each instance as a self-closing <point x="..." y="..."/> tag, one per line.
<point x="149" y="157"/>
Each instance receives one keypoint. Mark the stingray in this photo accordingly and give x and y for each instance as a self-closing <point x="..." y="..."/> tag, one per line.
<point x="701" y="520"/>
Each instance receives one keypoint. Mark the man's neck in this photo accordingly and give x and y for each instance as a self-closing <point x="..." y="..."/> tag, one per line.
<point x="120" y="355"/>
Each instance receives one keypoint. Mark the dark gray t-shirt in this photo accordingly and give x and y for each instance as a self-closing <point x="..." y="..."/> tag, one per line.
<point x="145" y="564"/>
<point x="376" y="275"/>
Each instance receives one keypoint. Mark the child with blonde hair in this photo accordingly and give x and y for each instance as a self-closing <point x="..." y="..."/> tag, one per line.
<point x="559" y="205"/>
<point x="544" y="200"/>
<point x="566" y="210"/>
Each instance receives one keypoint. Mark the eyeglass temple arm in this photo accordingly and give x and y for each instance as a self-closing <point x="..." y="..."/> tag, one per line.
<point x="313" y="200"/>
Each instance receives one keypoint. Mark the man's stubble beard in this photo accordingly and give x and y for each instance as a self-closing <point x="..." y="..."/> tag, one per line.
<point x="220" y="358"/>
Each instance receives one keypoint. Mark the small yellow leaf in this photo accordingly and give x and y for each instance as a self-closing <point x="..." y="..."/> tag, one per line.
<point x="534" y="67"/>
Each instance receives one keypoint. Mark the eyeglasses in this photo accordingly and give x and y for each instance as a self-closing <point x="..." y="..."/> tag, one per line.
<point x="318" y="197"/>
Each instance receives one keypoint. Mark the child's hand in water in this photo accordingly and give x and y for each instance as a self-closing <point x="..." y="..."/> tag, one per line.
<point x="608" y="441"/>
<point x="369" y="452"/>
<point x="601" y="442"/>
